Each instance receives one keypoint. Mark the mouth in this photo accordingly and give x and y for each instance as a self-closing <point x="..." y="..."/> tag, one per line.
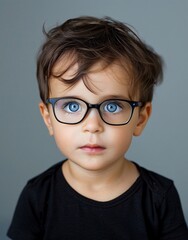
<point x="92" y="149"/>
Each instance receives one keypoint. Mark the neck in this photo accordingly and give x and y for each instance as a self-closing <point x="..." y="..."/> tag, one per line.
<point x="104" y="184"/>
<point x="96" y="176"/>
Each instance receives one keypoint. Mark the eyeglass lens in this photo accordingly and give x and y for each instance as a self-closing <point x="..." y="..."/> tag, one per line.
<point x="71" y="110"/>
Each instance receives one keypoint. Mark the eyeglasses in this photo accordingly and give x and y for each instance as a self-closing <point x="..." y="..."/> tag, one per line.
<point x="69" y="110"/>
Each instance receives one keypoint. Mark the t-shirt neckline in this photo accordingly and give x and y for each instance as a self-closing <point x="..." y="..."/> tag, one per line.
<point x="83" y="199"/>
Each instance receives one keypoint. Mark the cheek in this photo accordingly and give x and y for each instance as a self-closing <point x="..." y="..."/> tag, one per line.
<point x="121" y="138"/>
<point x="64" y="136"/>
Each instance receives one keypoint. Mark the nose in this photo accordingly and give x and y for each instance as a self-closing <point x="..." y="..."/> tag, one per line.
<point x="93" y="122"/>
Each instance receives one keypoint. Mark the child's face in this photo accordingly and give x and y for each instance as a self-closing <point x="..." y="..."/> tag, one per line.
<point x="92" y="144"/>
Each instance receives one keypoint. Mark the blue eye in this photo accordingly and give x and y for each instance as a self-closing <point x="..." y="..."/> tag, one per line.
<point x="72" y="107"/>
<point x="112" y="107"/>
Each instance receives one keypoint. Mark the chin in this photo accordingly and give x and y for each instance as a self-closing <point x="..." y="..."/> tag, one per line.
<point x="93" y="163"/>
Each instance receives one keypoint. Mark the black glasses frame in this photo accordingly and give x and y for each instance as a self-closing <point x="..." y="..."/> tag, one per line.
<point x="133" y="104"/>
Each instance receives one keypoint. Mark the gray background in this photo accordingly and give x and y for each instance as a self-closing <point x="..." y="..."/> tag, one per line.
<point x="25" y="147"/>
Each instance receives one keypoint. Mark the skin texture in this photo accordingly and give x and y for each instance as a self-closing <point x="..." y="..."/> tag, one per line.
<point x="96" y="166"/>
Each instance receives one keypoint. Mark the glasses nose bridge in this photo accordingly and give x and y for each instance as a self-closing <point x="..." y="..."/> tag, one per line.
<point x="97" y="106"/>
<point x="91" y="106"/>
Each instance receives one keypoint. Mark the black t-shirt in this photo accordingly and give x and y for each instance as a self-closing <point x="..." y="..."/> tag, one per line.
<point x="49" y="209"/>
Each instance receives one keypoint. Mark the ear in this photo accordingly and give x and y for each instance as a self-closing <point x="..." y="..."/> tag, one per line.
<point x="143" y="118"/>
<point x="46" y="117"/>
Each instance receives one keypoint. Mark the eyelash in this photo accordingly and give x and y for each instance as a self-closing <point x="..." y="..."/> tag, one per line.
<point x="117" y="105"/>
<point x="67" y="105"/>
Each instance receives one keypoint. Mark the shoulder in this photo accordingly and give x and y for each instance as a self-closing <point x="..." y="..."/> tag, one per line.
<point x="161" y="198"/>
<point x="46" y="175"/>
<point x="40" y="185"/>
<point x="33" y="201"/>
<point x="156" y="183"/>
<point x="160" y="190"/>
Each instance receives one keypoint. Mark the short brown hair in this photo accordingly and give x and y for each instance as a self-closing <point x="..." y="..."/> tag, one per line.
<point x="90" y="40"/>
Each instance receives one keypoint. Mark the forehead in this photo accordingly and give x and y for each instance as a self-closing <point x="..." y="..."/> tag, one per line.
<point x="101" y="79"/>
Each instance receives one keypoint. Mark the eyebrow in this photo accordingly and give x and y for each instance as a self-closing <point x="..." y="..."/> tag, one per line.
<point x="116" y="97"/>
<point x="101" y="99"/>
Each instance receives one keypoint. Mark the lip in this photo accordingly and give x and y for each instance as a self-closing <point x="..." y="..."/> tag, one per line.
<point x="92" y="148"/>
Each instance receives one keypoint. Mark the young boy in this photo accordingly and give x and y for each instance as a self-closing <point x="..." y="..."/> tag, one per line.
<point x="96" y="80"/>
